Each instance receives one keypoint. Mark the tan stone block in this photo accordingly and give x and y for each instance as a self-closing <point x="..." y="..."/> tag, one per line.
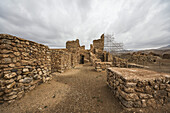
<point x="6" y="60"/>
<point x="12" y="65"/>
<point x="144" y="96"/>
<point x="9" y="76"/>
<point x="11" y="85"/>
<point x="17" y="53"/>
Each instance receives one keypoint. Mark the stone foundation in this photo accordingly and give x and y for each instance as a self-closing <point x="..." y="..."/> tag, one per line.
<point x="102" y="66"/>
<point x="139" y="88"/>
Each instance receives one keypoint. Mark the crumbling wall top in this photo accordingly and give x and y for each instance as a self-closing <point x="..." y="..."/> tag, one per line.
<point x="72" y="44"/>
<point x="99" y="44"/>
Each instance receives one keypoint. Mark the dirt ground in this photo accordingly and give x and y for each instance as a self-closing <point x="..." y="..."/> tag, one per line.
<point x="79" y="90"/>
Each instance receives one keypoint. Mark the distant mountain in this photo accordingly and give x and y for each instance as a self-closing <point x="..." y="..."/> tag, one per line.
<point x="166" y="47"/>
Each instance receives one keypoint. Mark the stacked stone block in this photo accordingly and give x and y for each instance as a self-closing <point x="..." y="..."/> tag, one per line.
<point x="23" y="65"/>
<point x="102" y="66"/>
<point x="139" y="88"/>
<point x="118" y="62"/>
<point x="93" y="59"/>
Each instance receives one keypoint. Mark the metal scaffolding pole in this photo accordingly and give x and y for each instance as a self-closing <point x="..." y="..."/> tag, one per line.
<point x="111" y="46"/>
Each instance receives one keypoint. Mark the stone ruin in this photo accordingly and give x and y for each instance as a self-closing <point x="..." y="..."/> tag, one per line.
<point x="25" y="64"/>
<point x="139" y="88"/>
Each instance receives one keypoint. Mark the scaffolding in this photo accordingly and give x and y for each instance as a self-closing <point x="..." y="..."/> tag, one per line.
<point x="110" y="45"/>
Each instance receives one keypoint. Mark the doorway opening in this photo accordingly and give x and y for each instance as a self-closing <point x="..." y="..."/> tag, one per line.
<point x="81" y="59"/>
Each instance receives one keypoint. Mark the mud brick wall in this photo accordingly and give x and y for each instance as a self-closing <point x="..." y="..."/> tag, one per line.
<point x="139" y="88"/>
<point x="102" y="66"/>
<point x="23" y="64"/>
<point x="60" y="60"/>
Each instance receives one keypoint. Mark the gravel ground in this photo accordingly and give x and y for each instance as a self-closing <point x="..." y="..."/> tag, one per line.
<point x="79" y="90"/>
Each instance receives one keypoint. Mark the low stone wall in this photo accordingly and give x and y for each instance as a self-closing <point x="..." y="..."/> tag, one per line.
<point x="102" y="66"/>
<point x="139" y="88"/>
<point x="133" y="65"/>
<point x="118" y="62"/>
<point x="166" y="56"/>
<point x="23" y="65"/>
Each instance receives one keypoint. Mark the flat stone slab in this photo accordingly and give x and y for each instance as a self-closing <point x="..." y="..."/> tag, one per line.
<point x="131" y="74"/>
<point x="133" y="65"/>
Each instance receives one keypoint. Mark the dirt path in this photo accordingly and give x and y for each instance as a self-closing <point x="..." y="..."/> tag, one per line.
<point x="79" y="90"/>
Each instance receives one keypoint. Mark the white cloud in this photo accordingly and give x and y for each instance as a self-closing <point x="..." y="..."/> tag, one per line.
<point x="138" y="24"/>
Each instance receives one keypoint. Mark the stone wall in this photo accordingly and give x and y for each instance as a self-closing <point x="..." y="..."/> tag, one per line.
<point x="166" y="56"/>
<point x="99" y="44"/>
<point x="139" y="88"/>
<point x="72" y="44"/>
<point x="140" y="58"/>
<point x="102" y="66"/>
<point x="118" y="62"/>
<point x="61" y="60"/>
<point x="93" y="59"/>
<point x="23" y="65"/>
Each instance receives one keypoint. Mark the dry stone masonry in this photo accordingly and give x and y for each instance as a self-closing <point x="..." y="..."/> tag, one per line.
<point x="139" y="88"/>
<point x="102" y="66"/>
<point x="23" y="65"/>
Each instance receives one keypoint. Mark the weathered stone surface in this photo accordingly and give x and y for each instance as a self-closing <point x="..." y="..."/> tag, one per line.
<point x="160" y="93"/>
<point x="25" y="70"/>
<point x="9" y="81"/>
<point x="137" y="104"/>
<point x="12" y="65"/>
<point x="10" y="97"/>
<point x="26" y="80"/>
<point x="1" y="93"/>
<point x="6" y="60"/>
<point x="11" y="93"/>
<point x="20" y="94"/>
<point x="129" y="90"/>
<point x="9" y="76"/>
<point x="162" y="86"/>
<point x="17" y="53"/>
<point x="151" y="102"/>
<point x="145" y="96"/>
<point x="11" y="85"/>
